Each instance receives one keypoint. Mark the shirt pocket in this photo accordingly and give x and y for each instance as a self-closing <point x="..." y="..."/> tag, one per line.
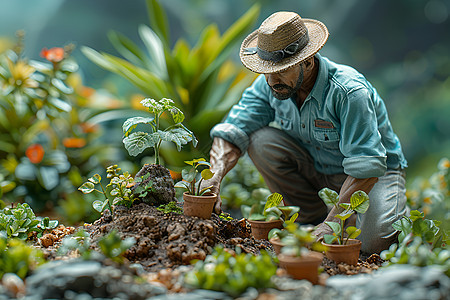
<point x="283" y="122"/>
<point x="327" y="138"/>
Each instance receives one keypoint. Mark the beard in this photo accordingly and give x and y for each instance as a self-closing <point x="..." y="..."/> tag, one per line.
<point x="290" y="91"/>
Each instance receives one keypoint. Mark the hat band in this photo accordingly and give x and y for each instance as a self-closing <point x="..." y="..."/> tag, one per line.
<point x="278" y="55"/>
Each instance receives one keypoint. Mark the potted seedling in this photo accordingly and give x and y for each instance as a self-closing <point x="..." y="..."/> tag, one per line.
<point x="136" y="142"/>
<point x="300" y="254"/>
<point x="263" y="217"/>
<point x="342" y="244"/>
<point x="198" y="201"/>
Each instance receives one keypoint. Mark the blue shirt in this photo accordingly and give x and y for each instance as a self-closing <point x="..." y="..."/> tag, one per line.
<point x="343" y="123"/>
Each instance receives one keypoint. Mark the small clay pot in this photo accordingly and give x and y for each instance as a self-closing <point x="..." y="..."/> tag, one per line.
<point x="199" y="206"/>
<point x="348" y="253"/>
<point x="302" y="267"/>
<point x="260" y="229"/>
<point x="276" y="245"/>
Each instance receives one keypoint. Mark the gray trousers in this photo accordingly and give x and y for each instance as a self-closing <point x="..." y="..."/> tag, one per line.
<point x="287" y="168"/>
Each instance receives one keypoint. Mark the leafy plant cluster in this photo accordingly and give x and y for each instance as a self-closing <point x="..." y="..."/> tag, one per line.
<point x="432" y="195"/>
<point x="421" y="242"/>
<point x="111" y="245"/>
<point x="116" y="192"/>
<point x="359" y="202"/>
<point x="20" y="221"/>
<point x="270" y="210"/>
<point x="170" y="207"/>
<point x="137" y="142"/>
<point x="49" y="139"/>
<point x="243" y="185"/>
<point x="193" y="177"/>
<point x="17" y="257"/>
<point x="232" y="273"/>
<point x="202" y="81"/>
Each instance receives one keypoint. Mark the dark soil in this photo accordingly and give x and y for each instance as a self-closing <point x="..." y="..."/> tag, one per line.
<point x="170" y="240"/>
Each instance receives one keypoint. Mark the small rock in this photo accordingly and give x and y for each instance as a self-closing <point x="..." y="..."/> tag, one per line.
<point x="14" y="284"/>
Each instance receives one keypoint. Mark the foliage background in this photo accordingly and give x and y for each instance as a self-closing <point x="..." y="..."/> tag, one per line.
<point x="402" y="47"/>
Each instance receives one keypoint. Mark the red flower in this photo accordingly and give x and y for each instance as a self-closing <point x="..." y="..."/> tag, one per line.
<point x="53" y="55"/>
<point x="35" y="153"/>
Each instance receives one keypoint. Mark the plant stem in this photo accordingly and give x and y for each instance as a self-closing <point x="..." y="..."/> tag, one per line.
<point x="342" y="233"/>
<point x="109" y="201"/>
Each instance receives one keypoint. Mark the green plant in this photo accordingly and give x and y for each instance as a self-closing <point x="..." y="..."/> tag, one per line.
<point x="421" y="242"/>
<point x="203" y="82"/>
<point x="270" y="210"/>
<point x="193" y="177"/>
<point x="18" y="257"/>
<point x="137" y="142"/>
<point x="232" y="273"/>
<point x="432" y="195"/>
<point x="243" y="185"/>
<point x="298" y="240"/>
<point x="113" y="247"/>
<point x="80" y="241"/>
<point x="359" y="202"/>
<point x="170" y="207"/>
<point x="20" y="221"/>
<point x="117" y="192"/>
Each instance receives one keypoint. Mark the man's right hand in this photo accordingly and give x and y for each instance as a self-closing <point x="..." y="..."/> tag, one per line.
<point x="223" y="157"/>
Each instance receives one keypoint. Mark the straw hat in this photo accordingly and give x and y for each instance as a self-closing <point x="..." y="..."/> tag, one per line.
<point x="283" y="40"/>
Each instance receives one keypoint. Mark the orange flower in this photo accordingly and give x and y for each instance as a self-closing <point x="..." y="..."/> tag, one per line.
<point x="35" y="153"/>
<point x="53" y="55"/>
<point x="74" y="142"/>
<point x="175" y="175"/>
<point x="88" y="127"/>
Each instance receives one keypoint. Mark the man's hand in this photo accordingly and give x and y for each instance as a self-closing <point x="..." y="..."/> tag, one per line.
<point x="223" y="157"/>
<point x="321" y="230"/>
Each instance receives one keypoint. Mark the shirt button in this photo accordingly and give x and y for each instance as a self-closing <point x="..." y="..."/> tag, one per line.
<point x="303" y="125"/>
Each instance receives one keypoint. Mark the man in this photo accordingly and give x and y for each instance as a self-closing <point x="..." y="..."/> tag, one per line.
<point x="309" y="123"/>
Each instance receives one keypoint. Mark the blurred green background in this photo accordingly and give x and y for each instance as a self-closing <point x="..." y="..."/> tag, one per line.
<point x="401" y="46"/>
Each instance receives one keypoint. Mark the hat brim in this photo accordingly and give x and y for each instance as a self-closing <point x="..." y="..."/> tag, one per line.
<point x="318" y="35"/>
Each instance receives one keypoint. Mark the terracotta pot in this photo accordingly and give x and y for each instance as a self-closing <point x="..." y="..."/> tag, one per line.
<point x="304" y="267"/>
<point x="260" y="229"/>
<point x="276" y="244"/>
<point x="348" y="253"/>
<point x="199" y="206"/>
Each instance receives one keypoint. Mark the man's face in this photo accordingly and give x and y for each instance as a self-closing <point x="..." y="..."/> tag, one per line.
<point x="285" y="84"/>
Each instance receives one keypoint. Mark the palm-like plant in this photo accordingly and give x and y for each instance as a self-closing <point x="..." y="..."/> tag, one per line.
<point x="202" y="80"/>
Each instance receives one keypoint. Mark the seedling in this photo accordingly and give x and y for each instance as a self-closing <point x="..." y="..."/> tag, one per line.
<point x="298" y="240"/>
<point x="117" y="192"/>
<point x="137" y="142"/>
<point x="272" y="209"/>
<point x="193" y="177"/>
<point x="359" y="202"/>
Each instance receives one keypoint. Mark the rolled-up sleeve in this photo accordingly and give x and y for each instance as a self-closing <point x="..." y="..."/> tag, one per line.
<point x="361" y="144"/>
<point x="251" y="113"/>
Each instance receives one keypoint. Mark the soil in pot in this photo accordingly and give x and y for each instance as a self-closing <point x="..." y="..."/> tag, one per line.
<point x="260" y="229"/>
<point x="348" y="253"/>
<point x="199" y="206"/>
<point x="304" y="267"/>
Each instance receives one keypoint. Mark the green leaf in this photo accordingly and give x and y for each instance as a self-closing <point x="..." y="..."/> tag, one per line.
<point x="177" y="114"/>
<point x="256" y="217"/>
<point x="274" y="212"/>
<point x="61" y="86"/>
<point x="415" y="215"/>
<point x="155" y="50"/>
<point x="86" y="188"/>
<point x="137" y="142"/>
<point x="188" y="174"/>
<point x="98" y="205"/>
<point x="127" y="48"/>
<point x="131" y="123"/>
<point x="292" y="219"/>
<point x="158" y="20"/>
<point x="273" y="200"/>
<point x="329" y="196"/>
<point x="329" y="239"/>
<point x="345" y="214"/>
<point x="178" y="135"/>
<point x="352" y="232"/>
<point x="336" y="227"/>
<point x="359" y="202"/>
<point x="95" y="179"/>
<point x="207" y="174"/>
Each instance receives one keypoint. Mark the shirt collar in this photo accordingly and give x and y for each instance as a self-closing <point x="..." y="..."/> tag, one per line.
<point x="321" y="81"/>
